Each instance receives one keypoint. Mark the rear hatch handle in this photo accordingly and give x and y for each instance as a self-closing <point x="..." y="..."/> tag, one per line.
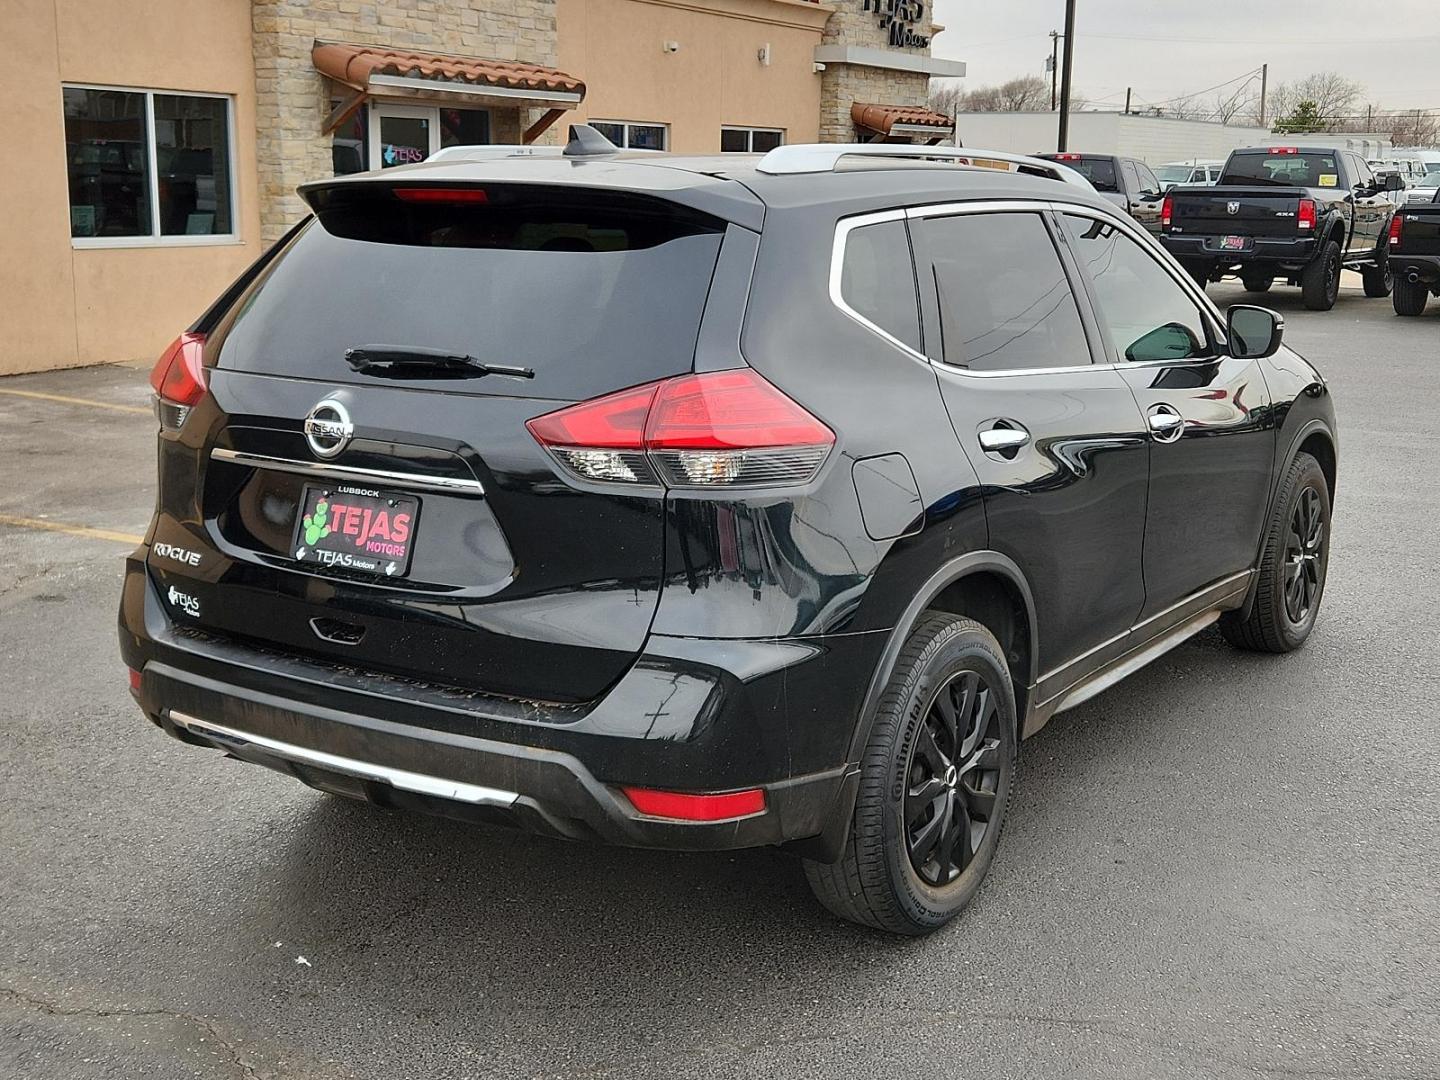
<point x="413" y="362"/>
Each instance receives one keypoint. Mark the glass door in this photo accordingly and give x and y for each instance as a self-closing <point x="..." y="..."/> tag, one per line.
<point x="402" y="134"/>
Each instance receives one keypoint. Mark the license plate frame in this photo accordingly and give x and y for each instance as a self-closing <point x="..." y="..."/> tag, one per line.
<point x="367" y="530"/>
<point x="1234" y="243"/>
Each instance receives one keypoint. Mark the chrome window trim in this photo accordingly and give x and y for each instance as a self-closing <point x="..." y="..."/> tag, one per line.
<point x="326" y="471"/>
<point x="843" y="228"/>
<point x="1124" y="223"/>
<point x="420" y="783"/>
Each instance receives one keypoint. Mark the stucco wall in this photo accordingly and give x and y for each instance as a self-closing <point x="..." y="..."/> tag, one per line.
<point x="65" y="306"/>
<point x="714" y="78"/>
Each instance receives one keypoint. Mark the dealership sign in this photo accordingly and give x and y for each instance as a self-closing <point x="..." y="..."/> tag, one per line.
<point x="899" y="19"/>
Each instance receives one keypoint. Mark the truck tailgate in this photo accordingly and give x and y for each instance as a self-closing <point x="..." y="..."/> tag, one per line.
<point x="1237" y="211"/>
<point x="1419" y="231"/>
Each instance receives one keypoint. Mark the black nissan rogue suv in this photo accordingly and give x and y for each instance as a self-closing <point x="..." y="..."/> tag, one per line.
<point x="705" y="503"/>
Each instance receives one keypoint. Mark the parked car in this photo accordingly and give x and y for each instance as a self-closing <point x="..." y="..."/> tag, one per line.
<point x="1188" y="172"/>
<point x="830" y="486"/>
<point x="1424" y="189"/>
<point x="1127" y="183"/>
<point x="1415" y="255"/>
<point x="1297" y="213"/>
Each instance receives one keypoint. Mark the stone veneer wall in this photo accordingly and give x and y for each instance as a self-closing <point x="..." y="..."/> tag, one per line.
<point x="293" y="99"/>
<point x="843" y="84"/>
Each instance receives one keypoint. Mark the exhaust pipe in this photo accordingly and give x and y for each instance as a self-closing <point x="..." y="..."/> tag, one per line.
<point x="1412" y="277"/>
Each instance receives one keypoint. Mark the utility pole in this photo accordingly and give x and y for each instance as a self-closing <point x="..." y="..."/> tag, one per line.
<point x="1127" y="99"/>
<point x="1069" y="66"/>
<point x="1264" y="90"/>
<point x="1054" y="69"/>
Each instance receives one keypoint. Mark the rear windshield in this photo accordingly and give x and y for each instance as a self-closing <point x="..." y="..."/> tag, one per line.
<point x="592" y="291"/>
<point x="1100" y="171"/>
<point x="1313" y="170"/>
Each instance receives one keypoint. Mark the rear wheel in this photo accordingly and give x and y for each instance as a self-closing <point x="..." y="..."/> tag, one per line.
<point x="934" y="784"/>
<point x="1320" y="281"/>
<point x="1292" y="567"/>
<point x="1256" y="282"/>
<point x="1379" y="279"/>
<point x="1410" y="297"/>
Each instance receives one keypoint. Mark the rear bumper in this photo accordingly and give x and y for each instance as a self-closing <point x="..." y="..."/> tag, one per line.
<point x="1280" y="254"/>
<point x="690" y="716"/>
<point x="1425" y="267"/>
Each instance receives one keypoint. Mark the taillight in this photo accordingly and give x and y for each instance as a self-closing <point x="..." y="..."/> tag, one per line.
<point x="1067" y="157"/>
<point x="178" y="379"/>
<point x="1397" y="227"/>
<point x="714" y="429"/>
<point x="1305" y="216"/>
<point x="1167" y="211"/>
<point x="134" y="680"/>
<point x="441" y="195"/>
<point x="686" y="807"/>
<point x="1284" y="150"/>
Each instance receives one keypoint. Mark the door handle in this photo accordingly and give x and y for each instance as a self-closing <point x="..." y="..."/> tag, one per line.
<point x="1166" y="425"/>
<point x="1000" y="439"/>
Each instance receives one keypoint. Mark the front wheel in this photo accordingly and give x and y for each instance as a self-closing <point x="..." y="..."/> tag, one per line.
<point x="1320" y="281"/>
<point x="934" y="784"/>
<point x="1379" y="279"/>
<point x="1410" y="297"/>
<point x="1292" y="567"/>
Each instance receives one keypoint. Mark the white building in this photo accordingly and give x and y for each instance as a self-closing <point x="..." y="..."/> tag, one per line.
<point x="1155" y="140"/>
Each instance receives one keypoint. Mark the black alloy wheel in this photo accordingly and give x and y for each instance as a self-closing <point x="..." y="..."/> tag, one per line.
<point x="953" y="778"/>
<point x="1304" y="556"/>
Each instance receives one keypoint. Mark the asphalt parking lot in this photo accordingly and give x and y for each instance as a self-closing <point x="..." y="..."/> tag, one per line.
<point x="1229" y="866"/>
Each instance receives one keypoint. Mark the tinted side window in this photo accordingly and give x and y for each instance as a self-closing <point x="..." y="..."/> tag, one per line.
<point x="1132" y="181"/>
<point x="1361" y="173"/>
<point x="877" y="279"/>
<point x="1148" y="314"/>
<point x="1148" y="184"/>
<point x="1005" y="302"/>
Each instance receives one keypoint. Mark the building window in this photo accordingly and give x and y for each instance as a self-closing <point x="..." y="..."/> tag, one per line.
<point x="350" y="143"/>
<point x="148" y="168"/>
<point x="630" y="136"/>
<point x="743" y="140"/>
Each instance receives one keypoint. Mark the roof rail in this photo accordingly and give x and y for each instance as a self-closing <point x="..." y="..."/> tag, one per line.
<point x="825" y="157"/>
<point x="491" y="152"/>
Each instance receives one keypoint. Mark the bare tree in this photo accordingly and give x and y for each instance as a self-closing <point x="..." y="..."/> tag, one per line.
<point x="1335" y="96"/>
<point x="1188" y="107"/>
<point x="1027" y="93"/>
<point x="1230" y="104"/>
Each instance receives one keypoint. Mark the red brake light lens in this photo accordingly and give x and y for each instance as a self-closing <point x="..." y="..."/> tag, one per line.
<point x="1167" y="211"/>
<point x="683" y="807"/>
<point x="179" y="375"/>
<point x="1067" y="157"/>
<point x="441" y="195"/>
<point x="134" y="680"/>
<point x="719" y="427"/>
<point x="1284" y="150"/>
<point x="1397" y="228"/>
<point x="1305" y="216"/>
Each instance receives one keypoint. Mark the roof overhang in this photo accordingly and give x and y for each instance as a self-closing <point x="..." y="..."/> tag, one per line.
<point x="901" y="121"/>
<point x="372" y="70"/>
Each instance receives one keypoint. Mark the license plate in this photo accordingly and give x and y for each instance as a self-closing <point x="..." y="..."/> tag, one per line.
<point x="356" y="528"/>
<point x="1234" y="243"/>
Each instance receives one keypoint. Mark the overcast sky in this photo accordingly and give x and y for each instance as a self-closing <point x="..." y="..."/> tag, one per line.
<point x="1164" y="48"/>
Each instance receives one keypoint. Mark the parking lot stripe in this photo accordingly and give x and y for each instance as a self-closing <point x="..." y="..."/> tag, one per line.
<point x="73" y="530"/>
<point x="75" y="401"/>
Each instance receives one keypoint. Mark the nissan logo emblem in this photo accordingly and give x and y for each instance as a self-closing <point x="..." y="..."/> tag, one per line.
<point x="328" y="428"/>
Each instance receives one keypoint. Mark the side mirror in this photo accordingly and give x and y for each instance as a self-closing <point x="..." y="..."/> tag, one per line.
<point x="1394" y="183"/>
<point x="1172" y="341"/>
<point x="1253" y="332"/>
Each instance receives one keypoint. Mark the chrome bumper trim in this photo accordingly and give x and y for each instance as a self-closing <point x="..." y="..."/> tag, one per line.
<point x="419" y="783"/>
<point x="325" y="471"/>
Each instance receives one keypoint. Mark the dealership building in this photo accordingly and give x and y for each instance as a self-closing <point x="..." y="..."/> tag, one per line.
<point x="163" y="144"/>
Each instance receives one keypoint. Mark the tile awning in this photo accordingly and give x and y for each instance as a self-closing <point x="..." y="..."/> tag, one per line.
<point x="371" y="69"/>
<point x="886" y="120"/>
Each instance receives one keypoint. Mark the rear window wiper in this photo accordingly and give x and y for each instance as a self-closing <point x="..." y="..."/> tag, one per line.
<point x="413" y="362"/>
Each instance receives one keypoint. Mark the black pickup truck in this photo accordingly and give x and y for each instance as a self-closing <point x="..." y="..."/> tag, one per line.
<point x="1297" y="213"/>
<point x="1415" y="255"/>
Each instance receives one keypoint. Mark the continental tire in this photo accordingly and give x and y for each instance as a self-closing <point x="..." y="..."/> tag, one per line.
<point x="1292" y="568"/>
<point x="934" y="785"/>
